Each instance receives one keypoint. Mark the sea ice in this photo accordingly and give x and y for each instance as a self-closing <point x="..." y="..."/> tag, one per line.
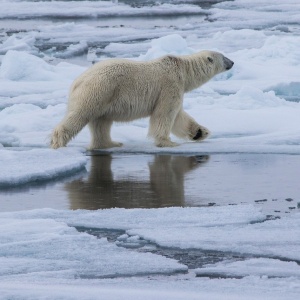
<point x="229" y="228"/>
<point x="251" y="267"/>
<point x="48" y="249"/>
<point x="20" y="166"/>
<point x="62" y="9"/>
<point x="25" y="43"/>
<point x="21" y="66"/>
<point x="252" y="108"/>
<point x="170" y="44"/>
<point x="53" y="259"/>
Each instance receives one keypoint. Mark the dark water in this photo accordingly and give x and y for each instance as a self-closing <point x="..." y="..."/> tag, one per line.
<point x="153" y="181"/>
<point x="192" y="258"/>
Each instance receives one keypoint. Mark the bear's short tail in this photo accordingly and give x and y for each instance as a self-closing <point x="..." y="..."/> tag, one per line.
<point x="60" y="137"/>
<point x="66" y="130"/>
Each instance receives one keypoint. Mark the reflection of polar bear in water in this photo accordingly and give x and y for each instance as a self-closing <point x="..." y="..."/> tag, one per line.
<point x="122" y="90"/>
<point x="106" y="187"/>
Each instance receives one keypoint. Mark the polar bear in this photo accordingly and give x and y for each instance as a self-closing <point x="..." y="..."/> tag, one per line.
<point x="121" y="90"/>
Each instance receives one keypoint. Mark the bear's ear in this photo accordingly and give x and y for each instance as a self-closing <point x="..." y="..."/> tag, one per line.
<point x="210" y="59"/>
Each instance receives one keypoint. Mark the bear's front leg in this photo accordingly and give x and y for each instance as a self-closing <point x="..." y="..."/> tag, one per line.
<point x="162" y="120"/>
<point x="201" y="133"/>
<point x="186" y="127"/>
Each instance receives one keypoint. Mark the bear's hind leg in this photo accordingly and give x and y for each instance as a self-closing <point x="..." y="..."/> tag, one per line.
<point x="67" y="129"/>
<point x="186" y="127"/>
<point x="100" y="131"/>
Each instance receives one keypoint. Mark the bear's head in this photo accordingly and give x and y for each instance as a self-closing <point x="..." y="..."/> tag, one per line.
<point x="216" y="62"/>
<point x="204" y="65"/>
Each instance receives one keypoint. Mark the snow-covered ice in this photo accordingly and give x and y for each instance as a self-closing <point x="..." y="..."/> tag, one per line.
<point x="22" y="165"/>
<point x="252" y="267"/>
<point x="55" y="250"/>
<point x="253" y="108"/>
<point x="94" y="9"/>
<point x="41" y="250"/>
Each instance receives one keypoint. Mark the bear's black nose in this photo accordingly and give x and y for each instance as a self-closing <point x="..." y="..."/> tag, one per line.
<point x="228" y="63"/>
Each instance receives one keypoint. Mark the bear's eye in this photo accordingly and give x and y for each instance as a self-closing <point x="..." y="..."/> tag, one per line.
<point x="210" y="59"/>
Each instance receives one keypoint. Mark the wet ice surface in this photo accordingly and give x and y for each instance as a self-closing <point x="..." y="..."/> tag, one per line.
<point x="220" y="223"/>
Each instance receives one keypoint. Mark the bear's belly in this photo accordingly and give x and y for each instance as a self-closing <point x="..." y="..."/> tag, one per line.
<point x="125" y="111"/>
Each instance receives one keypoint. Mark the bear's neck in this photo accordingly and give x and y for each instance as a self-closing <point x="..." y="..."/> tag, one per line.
<point x="197" y="73"/>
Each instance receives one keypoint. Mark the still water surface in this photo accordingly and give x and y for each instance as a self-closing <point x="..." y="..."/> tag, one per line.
<point x="152" y="181"/>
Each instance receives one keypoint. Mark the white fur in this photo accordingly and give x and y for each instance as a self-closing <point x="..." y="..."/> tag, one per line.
<point x="122" y="90"/>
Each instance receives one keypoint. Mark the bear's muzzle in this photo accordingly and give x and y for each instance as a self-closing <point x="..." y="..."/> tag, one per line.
<point x="228" y="63"/>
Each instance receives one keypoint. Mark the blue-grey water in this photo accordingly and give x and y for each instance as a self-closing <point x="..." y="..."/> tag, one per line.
<point x="268" y="181"/>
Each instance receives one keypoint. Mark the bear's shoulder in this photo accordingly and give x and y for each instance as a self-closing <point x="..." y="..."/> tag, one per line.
<point x="172" y="60"/>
